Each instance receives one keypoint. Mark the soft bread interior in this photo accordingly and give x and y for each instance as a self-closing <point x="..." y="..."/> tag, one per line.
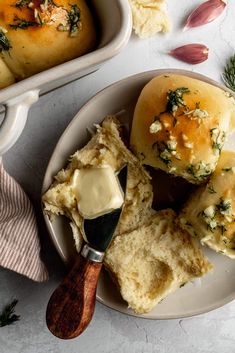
<point x="153" y="261"/>
<point x="105" y="147"/>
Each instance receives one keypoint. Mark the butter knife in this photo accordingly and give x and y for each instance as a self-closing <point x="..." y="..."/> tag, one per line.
<point x="71" y="306"/>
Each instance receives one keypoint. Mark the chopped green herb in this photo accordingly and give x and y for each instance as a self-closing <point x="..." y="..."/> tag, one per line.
<point x="174" y="122"/>
<point x="211" y="189"/>
<point x="224" y="205"/>
<point x="229" y="74"/>
<point x="38" y="18"/>
<point x="218" y="139"/>
<point x="165" y="159"/>
<point x="22" y="3"/>
<point x="22" y="24"/>
<point x="200" y="171"/>
<point x="227" y="169"/>
<point x="164" y="151"/>
<point x="141" y="156"/>
<point x="74" y="19"/>
<point x="223" y="230"/>
<point x="7" y="316"/>
<point x="175" y="99"/>
<point x="4" y="42"/>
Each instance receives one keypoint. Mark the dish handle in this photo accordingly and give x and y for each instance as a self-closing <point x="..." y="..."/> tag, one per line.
<point x="15" y="119"/>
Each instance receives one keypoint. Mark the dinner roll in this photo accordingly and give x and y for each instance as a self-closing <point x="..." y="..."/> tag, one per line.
<point x="210" y="212"/>
<point x="6" y="76"/>
<point x="180" y="125"/>
<point x="44" y="33"/>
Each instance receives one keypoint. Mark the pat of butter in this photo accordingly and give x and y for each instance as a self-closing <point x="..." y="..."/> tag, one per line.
<point x="97" y="191"/>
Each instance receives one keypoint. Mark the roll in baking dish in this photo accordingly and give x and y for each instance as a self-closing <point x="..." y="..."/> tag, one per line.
<point x="39" y="34"/>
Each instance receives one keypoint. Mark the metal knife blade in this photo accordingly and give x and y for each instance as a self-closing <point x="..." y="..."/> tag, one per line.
<point x="99" y="231"/>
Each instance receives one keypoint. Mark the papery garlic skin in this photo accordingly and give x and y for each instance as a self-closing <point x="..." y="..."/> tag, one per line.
<point x="205" y="13"/>
<point x="194" y="53"/>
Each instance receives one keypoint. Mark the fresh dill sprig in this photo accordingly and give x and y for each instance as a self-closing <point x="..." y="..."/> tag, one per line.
<point x="4" y="42"/>
<point x="7" y="316"/>
<point x="229" y="74"/>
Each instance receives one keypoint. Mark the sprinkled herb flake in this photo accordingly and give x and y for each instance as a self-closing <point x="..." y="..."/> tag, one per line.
<point x="212" y="216"/>
<point x="223" y="229"/>
<point x="218" y="139"/>
<point x="224" y="206"/>
<point x="74" y="20"/>
<point x="227" y="169"/>
<point x="211" y="189"/>
<point x="5" y="44"/>
<point x="199" y="171"/>
<point x="22" y="3"/>
<point x="20" y="23"/>
<point x="175" y="99"/>
<point x="165" y="151"/>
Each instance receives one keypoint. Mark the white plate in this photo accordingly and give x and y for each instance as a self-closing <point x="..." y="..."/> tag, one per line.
<point x="215" y="289"/>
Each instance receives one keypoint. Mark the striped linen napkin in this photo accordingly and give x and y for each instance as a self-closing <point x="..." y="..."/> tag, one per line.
<point x="19" y="242"/>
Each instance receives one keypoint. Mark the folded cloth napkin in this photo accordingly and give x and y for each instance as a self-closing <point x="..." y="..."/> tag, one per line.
<point x="19" y="242"/>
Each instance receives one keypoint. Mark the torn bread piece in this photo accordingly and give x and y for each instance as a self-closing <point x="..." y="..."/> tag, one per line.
<point x="105" y="148"/>
<point x="149" y="17"/>
<point x="153" y="261"/>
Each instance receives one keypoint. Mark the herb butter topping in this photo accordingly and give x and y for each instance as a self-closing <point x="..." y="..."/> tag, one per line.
<point x="48" y="13"/>
<point x="175" y="99"/>
<point x="218" y="139"/>
<point x="216" y="216"/>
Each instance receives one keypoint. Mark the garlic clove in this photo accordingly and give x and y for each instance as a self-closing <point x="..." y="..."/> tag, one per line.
<point x="191" y="53"/>
<point x="205" y="13"/>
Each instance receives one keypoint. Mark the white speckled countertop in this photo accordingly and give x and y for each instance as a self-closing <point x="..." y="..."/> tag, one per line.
<point x="109" y="331"/>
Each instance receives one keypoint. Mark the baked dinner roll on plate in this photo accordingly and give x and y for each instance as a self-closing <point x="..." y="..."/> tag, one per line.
<point x="210" y="212"/>
<point x="180" y="125"/>
<point x="44" y="33"/>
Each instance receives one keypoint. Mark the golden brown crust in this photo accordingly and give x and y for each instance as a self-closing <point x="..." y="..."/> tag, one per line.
<point x="209" y="214"/>
<point x="37" y="48"/>
<point x="184" y="142"/>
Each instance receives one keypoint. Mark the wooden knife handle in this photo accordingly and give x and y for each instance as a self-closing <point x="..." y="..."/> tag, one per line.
<point x="72" y="304"/>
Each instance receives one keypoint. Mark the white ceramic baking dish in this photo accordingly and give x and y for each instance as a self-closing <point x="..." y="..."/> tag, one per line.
<point x="114" y="21"/>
